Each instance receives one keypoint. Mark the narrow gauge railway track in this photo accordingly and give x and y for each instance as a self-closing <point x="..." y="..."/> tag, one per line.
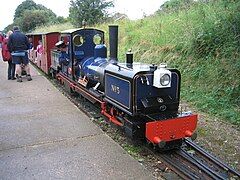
<point x="193" y="162"/>
<point x="189" y="162"/>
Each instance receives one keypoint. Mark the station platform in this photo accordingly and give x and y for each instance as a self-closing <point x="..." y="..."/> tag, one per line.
<point x="44" y="136"/>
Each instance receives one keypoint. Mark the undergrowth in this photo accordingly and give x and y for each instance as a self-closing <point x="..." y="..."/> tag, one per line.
<point x="203" y="41"/>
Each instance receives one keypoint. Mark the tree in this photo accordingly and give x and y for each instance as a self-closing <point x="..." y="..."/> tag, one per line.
<point x="91" y="11"/>
<point x="61" y="19"/>
<point x="31" y="19"/>
<point x="25" y="5"/>
<point x="28" y="15"/>
<point x="8" y="28"/>
<point x="31" y="6"/>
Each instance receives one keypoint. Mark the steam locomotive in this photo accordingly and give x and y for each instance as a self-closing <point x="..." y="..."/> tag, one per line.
<point x="141" y="98"/>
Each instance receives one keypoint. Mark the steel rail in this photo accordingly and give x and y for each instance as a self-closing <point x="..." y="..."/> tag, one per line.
<point x="201" y="166"/>
<point x="183" y="171"/>
<point x="212" y="158"/>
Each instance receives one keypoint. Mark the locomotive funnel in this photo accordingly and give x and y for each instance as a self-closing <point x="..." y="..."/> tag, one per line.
<point x="113" y="41"/>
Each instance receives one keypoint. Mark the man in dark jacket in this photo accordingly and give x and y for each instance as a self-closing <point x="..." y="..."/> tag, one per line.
<point x="18" y="45"/>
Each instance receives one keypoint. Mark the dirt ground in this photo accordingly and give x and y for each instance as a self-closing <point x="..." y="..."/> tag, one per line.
<point x="220" y="138"/>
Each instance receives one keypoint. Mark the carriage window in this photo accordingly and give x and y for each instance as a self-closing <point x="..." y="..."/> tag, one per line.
<point x="78" y="40"/>
<point x="97" y="39"/>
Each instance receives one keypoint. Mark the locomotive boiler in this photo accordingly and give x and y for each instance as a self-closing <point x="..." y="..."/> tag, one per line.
<point x="141" y="98"/>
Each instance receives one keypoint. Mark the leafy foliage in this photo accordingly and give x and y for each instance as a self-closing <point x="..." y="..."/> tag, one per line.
<point x="175" y="5"/>
<point x="31" y="19"/>
<point x="211" y="36"/>
<point x="25" y="5"/>
<point x="29" y="15"/>
<point x="61" y="19"/>
<point x="91" y="11"/>
<point x="9" y="27"/>
<point x="30" y="5"/>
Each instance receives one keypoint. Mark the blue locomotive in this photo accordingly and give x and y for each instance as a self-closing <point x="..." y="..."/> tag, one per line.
<point x="142" y="98"/>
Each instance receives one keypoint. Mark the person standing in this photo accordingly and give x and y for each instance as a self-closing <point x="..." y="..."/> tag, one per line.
<point x="18" y="45"/>
<point x="1" y="39"/>
<point x="6" y="55"/>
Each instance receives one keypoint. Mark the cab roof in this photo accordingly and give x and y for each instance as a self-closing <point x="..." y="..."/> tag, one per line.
<point x="39" y="33"/>
<point x="70" y="31"/>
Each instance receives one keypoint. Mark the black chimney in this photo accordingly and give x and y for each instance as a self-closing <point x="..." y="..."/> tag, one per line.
<point x="113" y="41"/>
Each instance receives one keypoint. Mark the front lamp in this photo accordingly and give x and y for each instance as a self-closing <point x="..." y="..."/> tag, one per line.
<point x="162" y="77"/>
<point x="165" y="80"/>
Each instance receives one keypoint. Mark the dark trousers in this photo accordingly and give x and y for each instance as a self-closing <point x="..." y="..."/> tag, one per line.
<point x="11" y="70"/>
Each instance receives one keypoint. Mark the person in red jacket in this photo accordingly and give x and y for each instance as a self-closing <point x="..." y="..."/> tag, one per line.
<point x="1" y="39"/>
<point x="6" y="55"/>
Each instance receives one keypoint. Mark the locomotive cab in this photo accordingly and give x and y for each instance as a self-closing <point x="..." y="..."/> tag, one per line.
<point x="83" y="45"/>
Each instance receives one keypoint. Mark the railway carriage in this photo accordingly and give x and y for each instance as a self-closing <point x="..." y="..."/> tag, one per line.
<point x="43" y="61"/>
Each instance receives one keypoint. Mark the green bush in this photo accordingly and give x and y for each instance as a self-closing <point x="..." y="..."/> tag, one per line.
<point x="202" y="41"/>
<point x="219" y="30"/>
